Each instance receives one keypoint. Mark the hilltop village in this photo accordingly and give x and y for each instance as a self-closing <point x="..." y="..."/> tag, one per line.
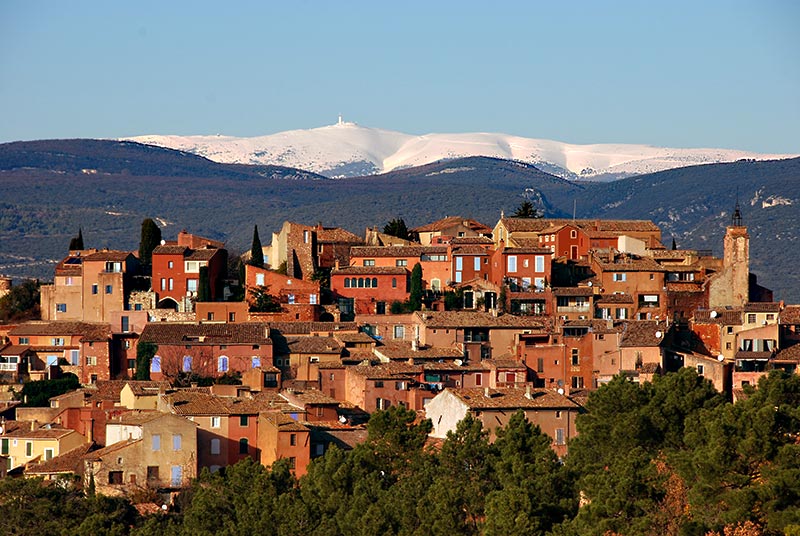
<point x="185" y="365"/>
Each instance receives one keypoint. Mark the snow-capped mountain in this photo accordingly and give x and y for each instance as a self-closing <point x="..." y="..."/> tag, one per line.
<point x="347" y="149"/>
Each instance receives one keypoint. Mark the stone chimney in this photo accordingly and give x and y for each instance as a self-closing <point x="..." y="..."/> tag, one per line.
<point x="528" y="392"/>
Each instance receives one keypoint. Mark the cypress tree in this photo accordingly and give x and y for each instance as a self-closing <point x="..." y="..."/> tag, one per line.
<point x="204" y="286"/>
<point x="77" y="242"/>
<point x="415" y="293"/>
<point x="151" y="238"/>
<point x="256" y="253"/>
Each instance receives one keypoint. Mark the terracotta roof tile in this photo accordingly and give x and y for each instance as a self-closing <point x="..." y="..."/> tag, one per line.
<point x="370" y="270"/>
<point x="396" y="251"/>
<point x="284" y="422"/>
<point x="573" y="291"/>
<point x="314" y="345"/>
<point x="202" y="254"/>
<point x="471" y="240"/>
<point x="88" y="331"/>
<point x="643" y="333"/>
<point x="451" y="221"/>
<point x="387" y="371"/>
<point x="212" y="334"/>
<point x="338" y="235"/>
<point x="396" y="350"/>
<point x="790" y="354"/>
<point x="725" y="317"/>
<point x="309" y="396"/>
<point x="170" y="249"/>
<point x="512" y="398"/>
<point x="615" y="298"/>
<point x="790" y="315"/>
<point x="108" y="255"/>
<point x="68" y="462"/>
<point x="762" y="307"/>
<point x="305" y="328"/>
<point x="467" y="319"/>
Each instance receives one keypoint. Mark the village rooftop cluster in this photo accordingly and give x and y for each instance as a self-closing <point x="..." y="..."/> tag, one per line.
<point x="186" y="366"/>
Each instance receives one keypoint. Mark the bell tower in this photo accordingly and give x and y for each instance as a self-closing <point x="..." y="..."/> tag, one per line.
<point x="737" y="259"/>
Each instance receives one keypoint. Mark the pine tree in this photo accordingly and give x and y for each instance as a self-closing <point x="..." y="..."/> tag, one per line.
<point x="150" y="239"/>
<point x="256" y="252"/>
<point x="526" y="210"/>
<point x="397" y="227"/>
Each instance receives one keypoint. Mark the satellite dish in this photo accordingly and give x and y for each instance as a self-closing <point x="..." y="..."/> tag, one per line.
<point x="659" y="334"/>
<point x="163" y="242"/>
<point x="560" y="390"/>
<point x="342" y="419"/>
<point x="713" y="314"/>
<point x="720" y="357"/>
<point x="589" y="283"/>
<point x="458" y="362"/>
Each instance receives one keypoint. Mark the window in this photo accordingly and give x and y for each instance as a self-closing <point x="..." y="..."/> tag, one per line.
<point x="24" y="340"/>
<point x="187" y="363"/>
<point x="170" y="264"/>
<point x="163" y="284"/>
<point x="57" y="341"/>
<point x="255" y="362"/>
<point x="155" y="364"/>
<point x="61" y="307"/>
<point x="290" y="298"/>
<point x="619" y="276"/>
<point x="312" y="299"/>
<point x="577" y="382"/>
<point x="730" y="330"/>
<point x="95" y="288"/>
<point x="243" y="446"/>
<point x="152" y="472"/>
<point x="113" y="266"/>
<point x="214" y="447"/>
<point x="558" y="414"/>
<point x="292" y="462"/>
<point x="539" y="364"/>
<point x="399" y="332"/>
<point x="727" y="346"/>
<point x="575" y="358"/>
<point x="171" y="284"/>
<point x="243" y="421"/>
<point x="374" y="282"/>
<point x="573" y="233"/>
<point x="91" y="360"/>
<point x="176" y="442"/>
<point x="115" y="477"/>
<point x="525" y="263"/>
<point x="512" y="263"/>
<point x="125" y="324"/>
<point x="539" y="263"/>
<point x="394" y="282"/>
<point x="192" y="267"/>
<point x="293" y="439"/>
<point x="459" y="263"/>
<point x="305" y="237"/>
<point x="260" y="280"/>
<point x="4" y="446"/>
<point x="222" y="364"/>
<point x="74" y="357"/>
<point x="401" y="262"/>
<point x="109" y="289"/>
<point x="476" y="264"/>
<point x="559" y="436"/>
<point x="177" y="476"/>
<point x="770" y="316"/>
<point x="231" y="317"/>
<point x="191" y="285"/>
<point x="369" y="262"/>
<point x="751" y="318"/>
<point x="155" y="442"/>
<point x="29" y="448"/>
<point x="378" y="384"/>
<point x="700" y="369"/>
<point x="215" y="422"/>
<point x="478" y="379"/>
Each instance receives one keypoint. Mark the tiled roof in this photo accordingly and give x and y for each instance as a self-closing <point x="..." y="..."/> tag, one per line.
<point x="450" y="366"/>
<point x="337" y="234"/>
<point x="170" y="249"/>
<point x="643" y="333"/>
<point x="470" y="250"/>
<point x="91" y="332"/>
<point x="524" y="242"/>
<point x="790" y="315"/>
<point x="346" y="437"/>
<point x="725" y="317"/>
<point x="68" y="462"/>
<point x="309" y="396"/>
<point x="615" y="298"/>
<point x="451" y="221"/>
<point x="506" y="364"/>
<point x="108" y="255"/>
<point x="305" y="328"/>
<point x="671" y="253"/>
<point x="396" y="251"/>
<point x="284" y="422"/>
<point x="512" y="398"/>
<point x="596" y="325"/>
<point x="48" y="431"/>
<point x="106" y="390"/>
<point x="359" y="337"/>
<point x="201" y="254"/>
<point x="629" y="264"/>
<point x="615" y="226"/>
<point x="649" y="368"/>
<point x="314" y="345"/>
<point x="105" y="451"/>
<point x="526" y="250"/>
<point x="370" y="270"/>
<point x="790" y="354"/>
<point x="182" y="333"/>
<point x="147" y="388"/>
<point x="15" y="349"/>
<point x="386" y="371"/>
<point x="573" y="291"/>
<point x="395" y="349"/>
<point x="762" y="307"/>
<point x="468" y="319"/>
<point x="186" y="402"/>
<point x="471" y="240"/>
<point x="135" y="417"/>
<point x="744" y="354"/>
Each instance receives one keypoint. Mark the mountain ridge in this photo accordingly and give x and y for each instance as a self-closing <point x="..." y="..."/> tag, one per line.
<point x="347" y="149"/>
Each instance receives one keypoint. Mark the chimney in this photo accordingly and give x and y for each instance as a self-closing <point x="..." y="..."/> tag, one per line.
<point x="528" y="391"/>
<point x="90" y="431"/>
<point x="33" y="425"/>
<point x="415" y="345"/>
<point x="486" y="392"/>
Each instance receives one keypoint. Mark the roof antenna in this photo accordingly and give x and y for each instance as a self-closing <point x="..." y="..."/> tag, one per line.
<point x="574" y="208"/>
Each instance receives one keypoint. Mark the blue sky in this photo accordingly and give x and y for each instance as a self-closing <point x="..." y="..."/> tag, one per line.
<point x="678" y="73"/>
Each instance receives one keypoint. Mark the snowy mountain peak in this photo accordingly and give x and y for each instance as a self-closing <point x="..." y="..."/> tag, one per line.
<point x="346" y="149"/>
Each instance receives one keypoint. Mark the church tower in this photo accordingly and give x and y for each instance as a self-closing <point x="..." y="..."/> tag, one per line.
<point x="732" y="285"/>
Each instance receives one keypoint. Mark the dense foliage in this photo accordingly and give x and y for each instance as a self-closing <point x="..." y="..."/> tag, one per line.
<point x="670" y="457"/>
<point x="150" y="239"/>
<point x="21" y="303"/>
<point x="144" y="355"/>
<point x="38" y="393"/>
<point x="256" y="251"/>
